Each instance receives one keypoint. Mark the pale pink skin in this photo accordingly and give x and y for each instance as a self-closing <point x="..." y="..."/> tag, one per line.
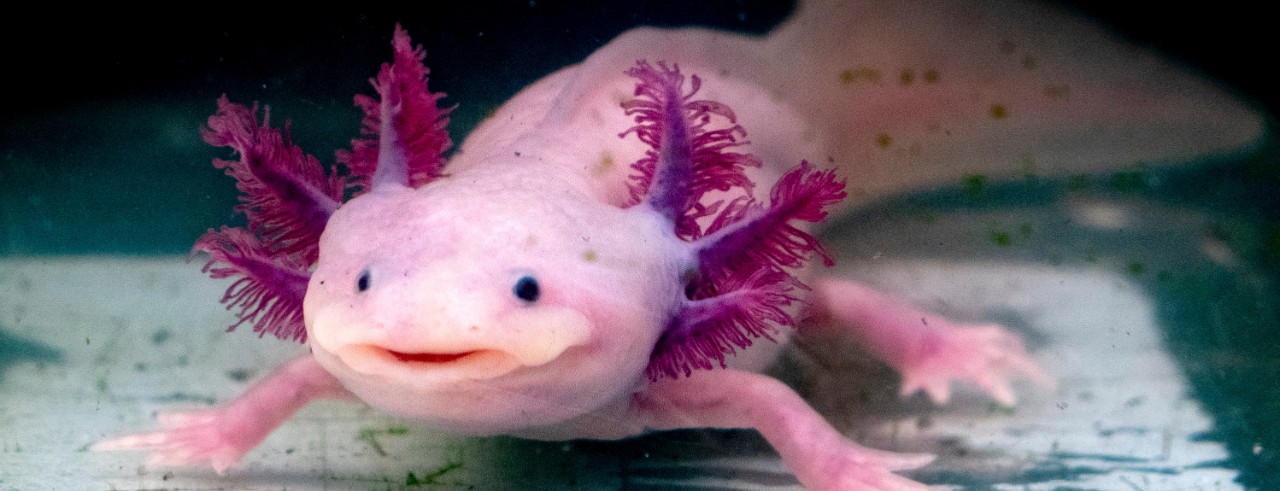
<point x="535" y="189"/>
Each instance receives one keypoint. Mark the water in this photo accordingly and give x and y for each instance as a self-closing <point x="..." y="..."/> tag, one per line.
<point x="1151" y="291"/>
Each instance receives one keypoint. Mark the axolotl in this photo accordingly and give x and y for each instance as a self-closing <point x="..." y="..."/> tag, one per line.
<point x="625" y="245"/>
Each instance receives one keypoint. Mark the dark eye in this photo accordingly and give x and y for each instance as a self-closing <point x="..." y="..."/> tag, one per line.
<point x="526" y="289"/>
<point x="362" y="283"/>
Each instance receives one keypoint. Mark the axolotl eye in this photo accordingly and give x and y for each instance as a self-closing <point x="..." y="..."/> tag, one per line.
<point x="362" y="282"/>
<point x="526" y="288"/>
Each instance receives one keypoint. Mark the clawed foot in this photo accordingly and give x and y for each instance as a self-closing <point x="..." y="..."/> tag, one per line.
<point x="987" y="355"/>
<point x="189" y="438"/>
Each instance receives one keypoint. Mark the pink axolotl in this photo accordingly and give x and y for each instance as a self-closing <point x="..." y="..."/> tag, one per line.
<point x="608" y="255"/>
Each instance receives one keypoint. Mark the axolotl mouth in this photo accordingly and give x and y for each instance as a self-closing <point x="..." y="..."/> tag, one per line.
<point x="436" y="358"/>
<point x="472" y="364"/>
<point x="444" y="358"/>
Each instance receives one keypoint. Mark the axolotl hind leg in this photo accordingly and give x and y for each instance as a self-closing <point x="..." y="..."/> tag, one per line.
<point x="928" y="350"/>
<point x="222" y="435"/>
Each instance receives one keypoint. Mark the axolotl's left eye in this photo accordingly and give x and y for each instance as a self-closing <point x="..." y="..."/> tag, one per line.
<point x="526" y="288"/>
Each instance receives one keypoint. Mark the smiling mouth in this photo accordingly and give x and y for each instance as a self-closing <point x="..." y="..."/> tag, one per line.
<point x="435" y="358"/>
<point x="373" y="360"/>
<point x="476" y="359"/>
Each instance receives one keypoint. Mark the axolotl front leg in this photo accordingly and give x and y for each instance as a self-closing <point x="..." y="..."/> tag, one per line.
<point x="820" y="457"/>
<point x="222" y="436"/>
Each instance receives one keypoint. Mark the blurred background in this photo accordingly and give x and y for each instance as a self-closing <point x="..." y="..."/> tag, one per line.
<point x="99" y="142"/>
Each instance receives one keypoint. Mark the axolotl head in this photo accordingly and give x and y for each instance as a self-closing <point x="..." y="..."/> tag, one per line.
<point x="487" y="303"/>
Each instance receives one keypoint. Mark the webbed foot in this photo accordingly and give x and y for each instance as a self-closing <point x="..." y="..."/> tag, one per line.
<point x="986" y="354"/>
<point x="189" y="439"/>
<point x="222" y="435"/>
<point x="930" y="351"/>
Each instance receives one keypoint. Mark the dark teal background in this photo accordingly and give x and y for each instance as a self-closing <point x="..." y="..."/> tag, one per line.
<point x="99" y="148"/>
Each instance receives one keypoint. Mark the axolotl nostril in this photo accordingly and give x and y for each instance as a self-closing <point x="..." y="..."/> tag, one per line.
<point x="609" y="254"/>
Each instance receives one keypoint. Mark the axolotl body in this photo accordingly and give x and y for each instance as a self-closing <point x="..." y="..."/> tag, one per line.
<point x="535" y="285"/>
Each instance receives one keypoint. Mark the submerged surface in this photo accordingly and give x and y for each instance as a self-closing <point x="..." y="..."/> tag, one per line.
<point x="1150" y="293"/>
<point x="1120" y="414"/>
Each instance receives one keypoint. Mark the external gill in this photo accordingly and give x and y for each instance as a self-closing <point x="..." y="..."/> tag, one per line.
<point x="686" y="159"/>
<point x="745" y="282"/>
<point x="669" y="193"/>
<point x="288" y="196"/>
<point x="404" y="137"/>
<point x="745" y="254"/>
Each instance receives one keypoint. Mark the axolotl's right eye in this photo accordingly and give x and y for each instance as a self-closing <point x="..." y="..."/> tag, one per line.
<point x="362" y="282"/>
